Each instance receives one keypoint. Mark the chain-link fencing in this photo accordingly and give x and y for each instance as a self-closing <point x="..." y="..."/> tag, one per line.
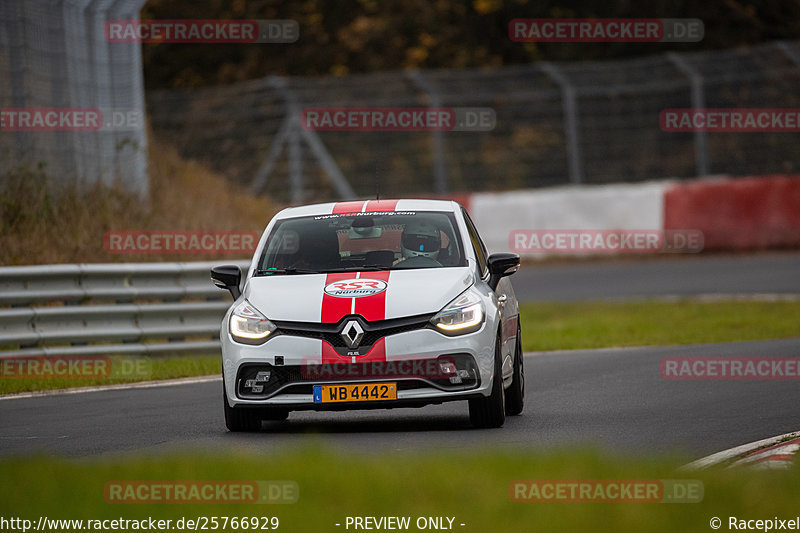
<point x="54" y="56"/>
<point x="556" y="123"/>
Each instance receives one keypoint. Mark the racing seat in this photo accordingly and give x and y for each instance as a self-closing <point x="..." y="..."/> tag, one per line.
<point x="319" y="251"/>
<point x="446" y="258"/>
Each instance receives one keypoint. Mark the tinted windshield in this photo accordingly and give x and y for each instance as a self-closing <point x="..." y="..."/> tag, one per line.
<point x="362" y="241"/>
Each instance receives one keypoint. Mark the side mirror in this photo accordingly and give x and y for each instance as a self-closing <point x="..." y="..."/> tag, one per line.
<point x="227" y="277"/>
<point x="500" y="266"/>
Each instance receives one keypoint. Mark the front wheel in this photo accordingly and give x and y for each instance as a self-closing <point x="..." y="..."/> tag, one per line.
<point x="515" y="394"/>
<point x="490" y="412"/>
<point x="274" y="415"/>
<point x="240" y="419"/>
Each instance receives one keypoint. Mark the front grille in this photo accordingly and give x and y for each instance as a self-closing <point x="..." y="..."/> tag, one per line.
<point x="373" y="331"/>
<point x="300" y="380"/>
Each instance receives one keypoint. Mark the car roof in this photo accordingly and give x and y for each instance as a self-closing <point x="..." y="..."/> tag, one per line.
<point x="369" y="206"/>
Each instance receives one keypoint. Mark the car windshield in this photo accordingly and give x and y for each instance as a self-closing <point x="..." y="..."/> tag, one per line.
<point x="362" y="241"/>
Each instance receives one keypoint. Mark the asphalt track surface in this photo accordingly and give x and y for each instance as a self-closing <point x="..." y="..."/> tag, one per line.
<point x="615" y="398"/>
<point x="770" y="273"/>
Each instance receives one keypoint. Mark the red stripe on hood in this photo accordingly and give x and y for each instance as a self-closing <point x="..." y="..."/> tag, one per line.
<point x="331" y="356"/>
<point x="366" y="206"/>
<point x="333" y="308"/>
<point x="377" y="353"/>
<point x="373" y="307"/>
<point x="381" y="205"/>
<point x="348" y="207"/>
<point x="370" y="307"/>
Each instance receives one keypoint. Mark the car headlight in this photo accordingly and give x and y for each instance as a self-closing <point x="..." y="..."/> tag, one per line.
<point x="463" y="315"/>
<point x="248" y="326"/>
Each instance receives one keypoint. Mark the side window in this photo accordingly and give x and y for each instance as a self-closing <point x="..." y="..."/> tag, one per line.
<point x="477" y="243"/>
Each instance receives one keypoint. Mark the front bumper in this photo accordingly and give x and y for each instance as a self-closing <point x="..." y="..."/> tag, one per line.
<point x="297" y="363"/>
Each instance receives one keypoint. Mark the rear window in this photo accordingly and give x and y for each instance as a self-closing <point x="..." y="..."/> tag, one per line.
<point x="363" y="241"/>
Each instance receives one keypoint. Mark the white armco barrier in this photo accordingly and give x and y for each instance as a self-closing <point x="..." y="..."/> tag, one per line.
<point x="592" y="207"/>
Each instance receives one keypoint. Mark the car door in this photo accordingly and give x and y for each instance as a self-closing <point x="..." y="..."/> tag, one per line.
<point x="506" y="301"/>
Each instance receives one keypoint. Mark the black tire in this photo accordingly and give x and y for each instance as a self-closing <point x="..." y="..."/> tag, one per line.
<point x="515" y="394"/>
<point x="274" y="415"/>
<point x="490" y="412"/>
<point x="240" y="419"/>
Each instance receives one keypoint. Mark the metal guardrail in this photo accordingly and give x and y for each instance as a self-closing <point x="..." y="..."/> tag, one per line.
<point x="110" y="309"/>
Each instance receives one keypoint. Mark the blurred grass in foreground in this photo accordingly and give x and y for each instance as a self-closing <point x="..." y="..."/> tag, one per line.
<point x="472" y="487"/>
<point x="576" y="325"/>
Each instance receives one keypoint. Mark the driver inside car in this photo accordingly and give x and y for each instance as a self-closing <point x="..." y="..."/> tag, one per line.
<point x="419" y="239"/>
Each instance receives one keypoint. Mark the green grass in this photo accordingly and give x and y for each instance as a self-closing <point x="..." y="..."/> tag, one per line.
<point x="567" y="326"/>
<point x="158" y="368"/>
<point x="472" y="487"/>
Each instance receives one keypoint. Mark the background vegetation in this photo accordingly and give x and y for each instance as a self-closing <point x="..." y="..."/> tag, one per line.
<point x="350" y="36"/>
<point x="40" y="224"/>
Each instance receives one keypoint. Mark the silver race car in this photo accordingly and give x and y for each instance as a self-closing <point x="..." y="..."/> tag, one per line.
<point x="371" y="304"/>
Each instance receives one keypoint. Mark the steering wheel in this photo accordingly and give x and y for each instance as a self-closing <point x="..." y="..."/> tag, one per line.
<point x="418" y="261"/>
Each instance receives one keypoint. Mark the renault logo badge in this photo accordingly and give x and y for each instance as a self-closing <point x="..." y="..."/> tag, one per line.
<point x="352" y="333"/>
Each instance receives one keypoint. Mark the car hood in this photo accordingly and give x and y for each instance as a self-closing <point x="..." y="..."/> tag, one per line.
<point x="374" y="295"/>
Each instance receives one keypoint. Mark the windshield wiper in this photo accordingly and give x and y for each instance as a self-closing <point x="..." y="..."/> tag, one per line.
<point x="290" y="270"/>
<point x="359" y="268"/>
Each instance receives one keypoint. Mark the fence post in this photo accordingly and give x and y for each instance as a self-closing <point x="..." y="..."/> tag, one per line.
<point x="789" y="52"/>
<point x="134" y="165"/>
<point x="260" y="181"/>
<point x="698" y="102"/>
<point x="297" y="187"/>
<point x="340" y="183"/>
<point x="439" y="163"/>
<point x="291" y="133"/>
<point x="12" y="18"/>
<point x="570" y="106"/>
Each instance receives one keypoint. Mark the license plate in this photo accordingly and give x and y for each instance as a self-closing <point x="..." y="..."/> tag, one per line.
<point x="356" y="392"/>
